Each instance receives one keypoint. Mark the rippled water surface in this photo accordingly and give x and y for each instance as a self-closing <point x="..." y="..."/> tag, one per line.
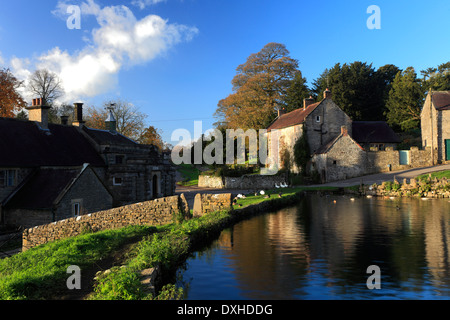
<point x="321" y="248"/>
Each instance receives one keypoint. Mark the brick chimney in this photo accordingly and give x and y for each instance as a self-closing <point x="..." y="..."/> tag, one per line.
<point x="78" y="120"/>
<point x="327" y="94"/>
<point x="307" y="102"/>
<point x="344" y="131"/>
<point x="281" y="112"/>
<point x="39" y="112"/>
<point x="65" y="120"/>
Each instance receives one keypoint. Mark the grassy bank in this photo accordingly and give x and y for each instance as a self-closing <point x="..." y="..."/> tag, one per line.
<point x="189" y="174"/>
<point x="438" y="175"/>
<point x="40" y="273"/>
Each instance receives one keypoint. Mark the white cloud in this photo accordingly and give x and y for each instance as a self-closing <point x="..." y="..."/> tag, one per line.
<point x="120" y="41"/>
<point x="142" y="4"/>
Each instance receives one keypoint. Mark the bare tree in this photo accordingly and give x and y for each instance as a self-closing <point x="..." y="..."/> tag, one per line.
<point x="130" y="121"/>
<point x="46" y="85"/>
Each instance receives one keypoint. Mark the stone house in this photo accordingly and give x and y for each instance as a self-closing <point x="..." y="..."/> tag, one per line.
<point x="322" y="121"/>
<point x="339" y="159"/>
<point x="434" y="121"/>
<point x="46" y="168"/>
<point x="341" y="148"/>
<point x="68" y="192"/>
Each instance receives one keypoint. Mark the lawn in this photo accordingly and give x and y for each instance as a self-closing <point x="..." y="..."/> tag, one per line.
<point x="437" y="174"/>
<point x="275" y="193"/>
<point x="189" y="173"/>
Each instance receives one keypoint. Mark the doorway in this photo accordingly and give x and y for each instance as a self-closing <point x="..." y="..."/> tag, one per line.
<point x="155" y="187"/>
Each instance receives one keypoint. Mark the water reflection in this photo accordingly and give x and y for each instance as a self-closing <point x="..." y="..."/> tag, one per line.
<point x="321" y="248"/>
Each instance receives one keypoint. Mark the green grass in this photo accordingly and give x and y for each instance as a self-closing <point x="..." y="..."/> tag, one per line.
<point x="438" y="174"/>
<point x="41" y="272"/>
<point x="190" y="174"/>
<point x="251" y="199"/>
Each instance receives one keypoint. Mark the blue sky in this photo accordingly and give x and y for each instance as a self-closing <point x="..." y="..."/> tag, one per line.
<point x="175" y="59"/>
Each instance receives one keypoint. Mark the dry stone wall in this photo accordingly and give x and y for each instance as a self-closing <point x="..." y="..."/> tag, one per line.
<point x="207" y="203"/>
<point x="155" y="212"/>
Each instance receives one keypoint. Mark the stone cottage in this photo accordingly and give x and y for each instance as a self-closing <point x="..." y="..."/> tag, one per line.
<point x="68" y="192"/>
<point x="339" y="159"/>
<point x="50" y="171"/>
<point x="341" y="148"/>
<point x="322" y="121"/>
<point x="434" y="121"/>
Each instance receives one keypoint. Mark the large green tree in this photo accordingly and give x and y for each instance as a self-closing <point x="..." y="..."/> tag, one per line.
<point x="359" y="89"/>
<point x="296" y="92"/>
<point x="405" y="100"/>
<point x="437" y="79"/>
<point x="259" y="88"/>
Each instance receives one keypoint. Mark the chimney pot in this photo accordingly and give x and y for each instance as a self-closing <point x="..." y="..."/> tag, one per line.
<point x="78" y="121"/>
<point x="281" y="112"/>
<point x="65" y="120"/>
<point x="307" y="102"/>
<point x="39" y="112"/>
<point x="327" y="94"/>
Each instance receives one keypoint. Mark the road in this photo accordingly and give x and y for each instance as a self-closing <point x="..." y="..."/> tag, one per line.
<point x="386" y="176"/>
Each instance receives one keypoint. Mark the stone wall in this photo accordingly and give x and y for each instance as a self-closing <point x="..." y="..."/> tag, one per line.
<point x="389" y="160"/>
<point x="210" y="182"/>
<point x="207" y="203"/>
<point x="428" y="188"/>
<point x="154" y="212"/>
<point x="246" y="182"/>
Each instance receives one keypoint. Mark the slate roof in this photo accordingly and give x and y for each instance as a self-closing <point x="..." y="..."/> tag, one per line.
<point x="327" y="146"/>
<point x="373" y="132"/>
<point x="441" y="100"/>
<point x="24" y="144"/>
<point x="42" y="188"/>
<point x="293" y="118"/>
<point x="107" y="137"/>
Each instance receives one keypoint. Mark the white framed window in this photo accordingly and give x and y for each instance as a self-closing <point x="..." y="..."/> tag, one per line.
<point x="117" y="181"/>
<point x="317" y="118"/>
<point x="77" y="207"/>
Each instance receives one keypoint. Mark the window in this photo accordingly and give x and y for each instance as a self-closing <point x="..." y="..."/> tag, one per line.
<point x="318" y="119"/>
<point x="76" y="209"/>
<point x="334" y="162"/>
<point x="11" y="178"/>
<point x="117" y="181"/>
<point x="120" y="159"/>
<point x="8" y="178"/>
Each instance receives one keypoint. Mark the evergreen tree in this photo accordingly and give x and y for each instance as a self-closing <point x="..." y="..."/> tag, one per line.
<point x="405" y="101"/>
<point x="296" y="92"/>
<point x="437" y="79"/>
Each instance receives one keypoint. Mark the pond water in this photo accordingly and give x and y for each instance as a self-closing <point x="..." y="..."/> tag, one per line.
<point x="321" y="249"/>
